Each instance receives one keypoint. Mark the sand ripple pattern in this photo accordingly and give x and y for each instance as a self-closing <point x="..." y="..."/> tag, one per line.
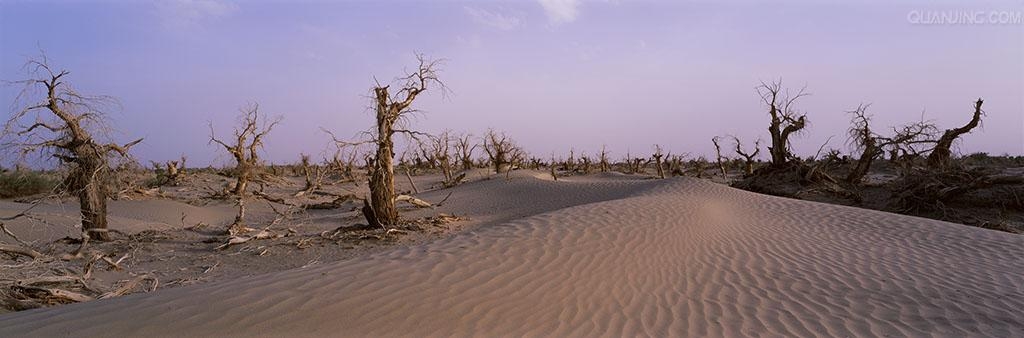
<point x="680" y="258"/>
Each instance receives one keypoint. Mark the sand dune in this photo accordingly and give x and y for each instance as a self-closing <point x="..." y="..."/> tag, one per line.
<point x="677" y="257"/>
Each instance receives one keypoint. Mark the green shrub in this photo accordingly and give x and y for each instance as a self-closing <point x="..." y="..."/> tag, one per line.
<point x="24" y="183"/>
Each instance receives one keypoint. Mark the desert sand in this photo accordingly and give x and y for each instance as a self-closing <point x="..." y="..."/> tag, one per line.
<point x="608" y="255"/>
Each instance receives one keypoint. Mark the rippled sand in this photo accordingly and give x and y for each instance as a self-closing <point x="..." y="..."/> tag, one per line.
<point x="679" y="257"/>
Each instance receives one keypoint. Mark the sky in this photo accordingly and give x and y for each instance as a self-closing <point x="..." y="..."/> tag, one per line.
<point x="553" y="74"/>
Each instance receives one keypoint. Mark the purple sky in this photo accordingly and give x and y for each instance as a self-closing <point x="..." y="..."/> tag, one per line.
<point x="554" y="74"/>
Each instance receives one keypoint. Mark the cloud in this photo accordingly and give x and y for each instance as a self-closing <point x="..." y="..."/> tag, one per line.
<point x="180" y="14"/>
<point x="560" y="11"/>
<point x="497" y="20"/>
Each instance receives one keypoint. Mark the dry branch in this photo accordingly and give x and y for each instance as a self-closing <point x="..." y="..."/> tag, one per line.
<point x="20" y="250"/>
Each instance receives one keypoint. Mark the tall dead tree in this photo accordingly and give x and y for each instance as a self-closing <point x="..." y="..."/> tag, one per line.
<point x="718" y="155"/>
<point x="244" y="147"/>
<point x="785" y="120"/>
<point x="501" y="149"/>
<point x="391" y="108"/>
<point x="60" y="122"/>
<point x="748" y="157"/>
<point x="941" y="154"/>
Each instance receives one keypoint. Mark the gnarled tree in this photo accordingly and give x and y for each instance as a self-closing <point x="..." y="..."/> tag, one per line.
<point x="872" y="145"/>
<point x="865" y="140"/>
<point x="785" y="120"/>
<point x="244" y="147"/>
<point x="60" y="122"/>
<point x="941" y="154"/>
<point x="390" y="108"/>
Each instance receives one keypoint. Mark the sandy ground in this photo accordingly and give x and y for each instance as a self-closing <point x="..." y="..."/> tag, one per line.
<point x="602" y="255"/>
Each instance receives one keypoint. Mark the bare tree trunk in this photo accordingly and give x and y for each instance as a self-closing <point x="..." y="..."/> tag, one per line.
<point x="92" y="199"/>
<point x="860" y="169"/>
<point x="382" y="180"/>
<point x="941" y="154"/>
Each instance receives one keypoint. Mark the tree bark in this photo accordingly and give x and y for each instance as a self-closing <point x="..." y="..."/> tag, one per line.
<point x="382" y="179"/>
<point x="860" y="169"/>
<point x="92" y="198"/>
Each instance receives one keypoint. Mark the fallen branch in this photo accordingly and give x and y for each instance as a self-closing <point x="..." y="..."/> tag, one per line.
<point x="334" y="204"/>
<point x="131" y="285"/>
<point x="237" y="239"/>
<point x="20" y="250"/>
<point x="414" y="201"/>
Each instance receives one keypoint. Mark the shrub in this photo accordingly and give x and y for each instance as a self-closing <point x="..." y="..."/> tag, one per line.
<point x="24" y="183"/>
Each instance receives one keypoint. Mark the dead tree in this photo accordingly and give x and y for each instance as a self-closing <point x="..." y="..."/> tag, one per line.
<point x="62" y="123"/>
<point x="700" y="164"/>
<point x="718" y="155"/>
<point x="657" y="161"/>
<point x="170" y="172"/>
<point x="785" y="120"/>
<point x="603" y="160"/>
<point x="344" y="162"/>
<point x="864" y="139"/>
<point x="464" y="148"/>
<point x="872" y="145"/>
<point x="748" y="157"/>
<point x="570" y="163"/>
<point x="314" y="175"/>
<point x="940" y="155"/>
<point x="441" y="154"/>
<point x="500" y="149"/>
<point x="244" y="148"/>
<point x="675" y="165"/>
<point x="391" y="108"/>
<point x="585" y="163"/>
